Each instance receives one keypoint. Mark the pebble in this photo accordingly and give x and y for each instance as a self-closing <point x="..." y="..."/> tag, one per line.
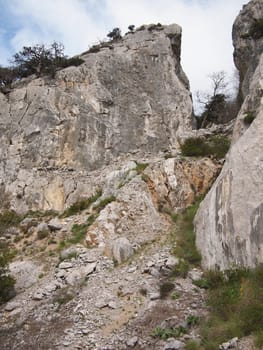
<point x="65" y="265"/>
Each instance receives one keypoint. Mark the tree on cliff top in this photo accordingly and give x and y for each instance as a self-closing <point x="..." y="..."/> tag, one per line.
<point x="41" y="59"/>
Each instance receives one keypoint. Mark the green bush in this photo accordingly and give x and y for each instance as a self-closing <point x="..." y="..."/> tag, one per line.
<point x="216" y="146"/>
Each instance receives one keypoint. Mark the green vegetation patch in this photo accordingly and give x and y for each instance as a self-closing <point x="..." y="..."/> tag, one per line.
<point x="7" y="282"/>
<point x="140" y="167"/>
<point x="9" y="218"/>
<point x="184" y="236"/>
<point x="216" y="146"/>
<point x="103" y="203"/>
<point x="235" y="301"/>
<point x="81" y="204"/>
<point x="166" y="333"/>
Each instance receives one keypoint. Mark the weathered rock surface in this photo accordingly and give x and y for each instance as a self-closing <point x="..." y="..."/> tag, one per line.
<point x="130" y="97"/>
<point x="248" y="43"/>
<point x="229" y="221"/>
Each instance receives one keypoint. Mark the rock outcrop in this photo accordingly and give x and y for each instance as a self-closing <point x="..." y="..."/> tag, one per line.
<point x="128" y="99"/>
<point x="229" y="221"/>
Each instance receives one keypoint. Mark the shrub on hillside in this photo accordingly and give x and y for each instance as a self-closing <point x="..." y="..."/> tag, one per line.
<point x="216" y="146"/>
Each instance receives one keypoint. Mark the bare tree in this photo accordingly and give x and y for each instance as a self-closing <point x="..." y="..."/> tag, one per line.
<point x="216" y="101"/>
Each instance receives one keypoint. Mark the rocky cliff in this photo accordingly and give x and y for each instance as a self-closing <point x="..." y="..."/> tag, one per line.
<point x="128" y="99"/>
<point x="229" y="221"/>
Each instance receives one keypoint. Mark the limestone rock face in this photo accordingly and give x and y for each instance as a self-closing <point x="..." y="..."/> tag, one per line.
<point x="248" y="42"/>
<point x="129" y="97"/>
<point x="229" y="221"/>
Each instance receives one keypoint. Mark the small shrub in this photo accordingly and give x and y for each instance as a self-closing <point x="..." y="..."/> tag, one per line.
<point x="201" y="283"/>
<point x="248" y="118"/>
<point x="78" y="233"/>
<point x="42" y="234"/>
<point x="165" y="289"/>
<point x="192" y="320"/>
<point x="166" y="333"/>
<point x="9" y="218"/>
<point x="216" y="146"/>
<point x="157" y="26"/>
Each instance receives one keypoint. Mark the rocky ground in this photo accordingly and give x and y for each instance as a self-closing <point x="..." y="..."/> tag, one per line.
<point x="114" y="288"/>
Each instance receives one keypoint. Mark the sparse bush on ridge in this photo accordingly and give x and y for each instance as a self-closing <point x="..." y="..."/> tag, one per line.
<point x="216" y="146"/>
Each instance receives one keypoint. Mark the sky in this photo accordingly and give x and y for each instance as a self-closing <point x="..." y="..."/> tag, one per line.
<point x="78" y="24"/>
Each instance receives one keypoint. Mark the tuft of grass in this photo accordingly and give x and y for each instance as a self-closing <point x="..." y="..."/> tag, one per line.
<point x="103" y="203"/>
<point x="140" y="167"/>
<point x="78" y="232"/>
<point x="9" y="218"/>
<point x="248" y="118"/>
<point x="216" y="146"/>
<point x="81" y="204"/>
<point x="42" y="234"/>
<point x="192" y="345"/>
<point x="235" y="301"/>
<point x="165" y="289"/>
<point x="166" y="333"/>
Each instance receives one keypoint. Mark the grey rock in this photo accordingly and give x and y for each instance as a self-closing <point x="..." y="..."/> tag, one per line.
<point x="171" y="262"/>
<point x="38" y="296"/>
<point x="65" y="265"/>
<point x="155" y="296"/>
<point x="173" y="344"/>
<point x="54" y="225"/>
<point x="122" y="249"/>
<point x="195" y="274"/>
<point x="12" y="305"/>
<point x="77" y="276"/>
<point x="43" y="227"/>
<point x="132" y="342"/>
<point x="25" y="273"/>
<point x="231" y="344"/>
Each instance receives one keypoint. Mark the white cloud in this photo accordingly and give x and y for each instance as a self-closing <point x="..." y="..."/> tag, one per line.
<point x="207" y="25"/>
